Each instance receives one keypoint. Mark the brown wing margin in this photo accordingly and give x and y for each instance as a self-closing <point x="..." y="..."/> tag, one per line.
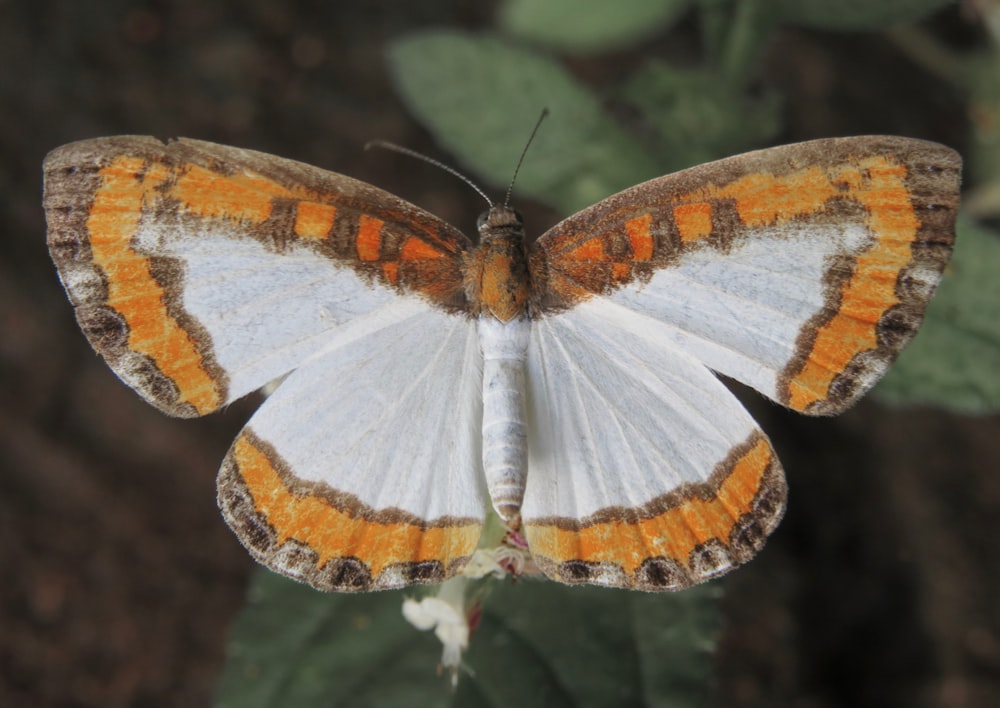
<point x="328" y="538"/>
<point x="904" y="192"/>
<point x="672" y="542"/>
<point x="127" y="300"/>
<point x="280" y="201"/>
<point x="376" y="233"/>
<point x="629" y="235"/>
<point x="910" y="202"/>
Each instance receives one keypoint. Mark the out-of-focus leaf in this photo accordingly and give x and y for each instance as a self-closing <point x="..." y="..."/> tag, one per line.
<point x="293" y="646"/>
<point x="955" y="358"/>
<point x="734" y="33"/>
<point x="480" y="97"/>
<point x="983" y="166"/>
<point x="585" y="646"/>
<point x="582" y="26"/>
<point x="539" y="644"/>
<point x="854" y="15"/>
<point x="698" y="116"/>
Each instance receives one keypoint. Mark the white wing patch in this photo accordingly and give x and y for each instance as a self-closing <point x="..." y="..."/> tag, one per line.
<point x="741" y="312"/>
<point x="618" y="415"/>
<point x="391" y="414"/>
<point x="266" y="311"/>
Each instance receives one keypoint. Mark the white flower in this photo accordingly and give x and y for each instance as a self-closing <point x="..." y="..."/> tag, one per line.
<point x="445" y="614"/>
<point x="504" y="554"/>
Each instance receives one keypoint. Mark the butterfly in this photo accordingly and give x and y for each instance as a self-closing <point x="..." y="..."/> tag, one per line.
<point x="566" y="384"/>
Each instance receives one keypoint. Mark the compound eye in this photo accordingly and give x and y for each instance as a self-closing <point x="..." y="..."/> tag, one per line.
<point x="482" y="219"/>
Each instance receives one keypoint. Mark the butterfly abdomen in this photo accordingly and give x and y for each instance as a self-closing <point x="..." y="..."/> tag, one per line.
<point x="505" y="451"/>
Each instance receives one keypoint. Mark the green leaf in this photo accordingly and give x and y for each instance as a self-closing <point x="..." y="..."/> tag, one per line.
<point x="734" y="33"/>
<point x="582" y="26"/>
<point x="538" y="644"/>
<point x="480" y="97"/>
<point x="983" y="78"/>
<point x="698" y="116"/>
<point x="954" y="359"/>
<point x="854" y="15"/>
<point x="294" y="646"/>
<point x="586" y="646"/>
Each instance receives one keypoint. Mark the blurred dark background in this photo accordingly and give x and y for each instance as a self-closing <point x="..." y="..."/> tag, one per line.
<point x="118" y="577"/>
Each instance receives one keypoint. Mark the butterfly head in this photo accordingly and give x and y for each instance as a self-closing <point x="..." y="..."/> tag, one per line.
<point x="499" y="221"/>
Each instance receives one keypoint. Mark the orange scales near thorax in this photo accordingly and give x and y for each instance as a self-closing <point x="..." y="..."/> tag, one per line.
<point x="496" y="272"/>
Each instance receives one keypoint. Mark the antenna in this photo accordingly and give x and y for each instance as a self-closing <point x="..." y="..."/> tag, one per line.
<point x="510" y="187"/>
<point x="393" y="147"/>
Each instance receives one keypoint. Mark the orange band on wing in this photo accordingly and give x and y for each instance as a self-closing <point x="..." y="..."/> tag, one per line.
<point x="132" y="291"/>
<point x="877" y="184"/>
<point x="314" y="220"/>
<point x="240" y="197"/>
<point x="764" y="199"/>
<point x="871" y="290"/>
<point x="694" y="221"/>
<point x="416" y="250"/>
<point x="369" y="240"/>
<point x="639" y="237"/>
<point x="672" y="534"/>
<point x="333" y="533"/>
<point x="590" y="250"/>
<point x="391" y="270"/>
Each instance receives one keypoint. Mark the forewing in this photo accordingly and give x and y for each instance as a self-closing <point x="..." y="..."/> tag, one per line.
<point x="800" y="270"/>
<point x="201" y="272"/>
<point x="646" y="472"/>
<point x="363" y="470"/>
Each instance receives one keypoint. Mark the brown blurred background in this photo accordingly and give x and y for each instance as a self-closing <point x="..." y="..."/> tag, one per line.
<point x="118" y="577"/>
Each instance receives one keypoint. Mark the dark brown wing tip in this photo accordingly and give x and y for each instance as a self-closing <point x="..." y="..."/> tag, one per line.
<point x="933" y="179"/>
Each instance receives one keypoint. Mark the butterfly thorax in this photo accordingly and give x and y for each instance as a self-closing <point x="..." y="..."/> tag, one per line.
<point x="496" y="271"/>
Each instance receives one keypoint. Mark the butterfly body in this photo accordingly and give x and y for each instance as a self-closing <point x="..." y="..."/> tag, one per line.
<point x="569" y="381"/>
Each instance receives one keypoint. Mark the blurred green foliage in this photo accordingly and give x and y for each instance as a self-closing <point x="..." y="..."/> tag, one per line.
<point x="955" y="358"/>
<point x="537" y="644"/>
